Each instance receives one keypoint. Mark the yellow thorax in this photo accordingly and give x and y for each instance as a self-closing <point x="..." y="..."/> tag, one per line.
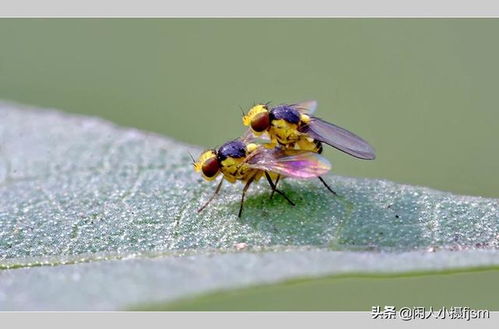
<point x="235" y="168"/>
<point x="284" y="131"/>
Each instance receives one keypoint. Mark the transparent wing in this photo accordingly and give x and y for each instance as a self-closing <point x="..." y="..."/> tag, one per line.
<point x="290" y="163"/>
<point x="249" y="137"/>
<point x="307" y="107"/>
<point x="339" y="138"/>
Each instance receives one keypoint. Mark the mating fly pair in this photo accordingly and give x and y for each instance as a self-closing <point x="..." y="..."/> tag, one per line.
<point x="293" y="149"/>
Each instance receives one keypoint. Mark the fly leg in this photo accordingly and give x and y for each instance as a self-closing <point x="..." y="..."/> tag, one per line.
<point x="327" y="186"/>
<point x="213" y="196"/>
<point x="248" y="183"/>
<point x="276" y="190"/>
<point x="276" y="181"/>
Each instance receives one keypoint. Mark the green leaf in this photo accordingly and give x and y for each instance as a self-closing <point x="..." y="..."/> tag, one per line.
<point x="114" y="211"/>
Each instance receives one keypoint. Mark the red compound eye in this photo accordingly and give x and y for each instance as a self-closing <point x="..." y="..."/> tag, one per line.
<point x="210" y="167"/>
<point x="260" y="122"/>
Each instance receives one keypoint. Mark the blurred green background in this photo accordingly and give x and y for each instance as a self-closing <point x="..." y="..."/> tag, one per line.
<point x="424" y="92"/>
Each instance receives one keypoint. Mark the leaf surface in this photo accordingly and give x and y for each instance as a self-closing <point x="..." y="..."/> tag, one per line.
<point x="114" y="211"/>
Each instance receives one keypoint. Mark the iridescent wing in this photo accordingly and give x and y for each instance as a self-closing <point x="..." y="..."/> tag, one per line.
<point x="339" y="138"/>
<point x="290" y="163"/>
<point x="307" y="107"/>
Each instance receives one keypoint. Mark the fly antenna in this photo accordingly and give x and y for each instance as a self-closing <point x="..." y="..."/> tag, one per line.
<point x="193" y="161"/>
